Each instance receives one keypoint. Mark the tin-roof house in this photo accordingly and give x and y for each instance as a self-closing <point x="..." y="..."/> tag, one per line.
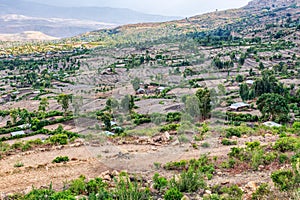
<point x="17" y="133"/>
<point x="272" y="124"/>
<point x="239" y="106"/>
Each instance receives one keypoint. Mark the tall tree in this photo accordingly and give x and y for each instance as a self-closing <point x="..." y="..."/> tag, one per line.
<point x="136" y="83"/>
<point x="244" y="92"/>
<point x="192" y="107"/>
<point x="127" y="103"/>
<point x="64" y="101"/>
<point x="106" y="118"/>
<point x="43" y="105"/>
<point x="204" y="102"/>
<point x="273" y="106"/>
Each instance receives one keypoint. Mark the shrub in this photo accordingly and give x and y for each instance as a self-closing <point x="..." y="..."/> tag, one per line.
<point x="19" y="164"/>
<point x="159" y="182"/>
<point x="61" y="139"/>
<point x="26" y="146"/>
<point x="205" y="145"/>
<point x="169" y="127"/>
<point x="283" y="179"/>
<point x="287" y="144"/>
<point x="283" y="158"/>
<point x="253" y="145"/>
<point x="78" y="186"/>
<point x="183" y="138"/>
<point x="261" y="192"/>
<point x="125" y="190"/>
<point x="232" y="132"/>
<point x="228" y="142"/>
<point x="233" y="191"/>
<point x="36" y="194"/>
<point x="173" y="194"/>
<point x="95" y="185"/>
<point x="60" y="159"/>
<point x="176" y="165"/>
<point x="257" y="158"/>
<point x="189" y="181"/>
<point x="66" y="195"/>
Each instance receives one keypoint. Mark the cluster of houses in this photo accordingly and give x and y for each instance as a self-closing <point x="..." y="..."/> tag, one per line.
<point x="242" y="106"/>
<point x="150" y="90"/>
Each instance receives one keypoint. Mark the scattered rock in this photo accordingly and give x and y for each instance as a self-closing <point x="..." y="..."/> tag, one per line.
<point x="225" y="182"/>
<point x="261" y="167"/>
<point x="208" y="192"/>
<point x="107" y="177"/>
<point x="185" y="198"/>
<point x="251" y="186"/>
<point x="176" y="142"/>
<point x="154" y="149"/>
<point x="167" y="136"/>
<point x="115" y="173"/>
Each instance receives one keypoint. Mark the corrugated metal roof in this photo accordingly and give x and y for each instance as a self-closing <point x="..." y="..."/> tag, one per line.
<point x="17" y="133"/>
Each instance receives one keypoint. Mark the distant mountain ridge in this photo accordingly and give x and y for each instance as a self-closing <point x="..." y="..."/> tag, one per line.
<point x="18" y="16"/>
<point x="271" y="3"/>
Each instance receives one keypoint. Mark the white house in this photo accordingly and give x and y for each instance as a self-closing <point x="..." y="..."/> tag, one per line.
<point x="17" y="133"/>
<point x="240" y="105"/>
<point x="272" y="124"/>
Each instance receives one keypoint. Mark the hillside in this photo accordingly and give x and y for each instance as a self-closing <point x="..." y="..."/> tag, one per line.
<point x="242" y="22"/>
<point x="203" y="108"/>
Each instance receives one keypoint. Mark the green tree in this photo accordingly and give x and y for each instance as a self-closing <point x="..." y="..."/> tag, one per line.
<point x="192" y="107"/>
<point x="106" y="118"/>
<point x="261" y="66"/>
<point x="43" y="106"/>
<point x="203" y="96"/>
<point x="239" y="78"/>
<point x="273" y="106"/>
<point x="244" y="92"/>
<point x="64" y="101"/>
<point x="14" y="115"/>
<point x="127" y="103"/>
<point x="136" y="83"/>
<point x="111" y="104"/>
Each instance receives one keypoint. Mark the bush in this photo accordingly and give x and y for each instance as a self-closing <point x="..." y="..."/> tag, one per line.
<point x="176" y="165"/>
<point x="173" y="194"/>
<point x="19" y="164"/>
<point x="283" y="179"/>
<point x="228" y="142"/>
<point x="95" y="185"/>
<point x="77" y="186"/>
<point x="283" y="158"/>
<point x="60" y="159"/>
<point x="261" y="192"/>
<point x="233" y="191"/>
<point x="159" y="182"/>
<point x="205" y="145"/>
<point x="66" y="195"/>
<point x="233" y="132"/>
<point x="61" y="139"/>
<point x="183" y="138"/>
<point x="169" y="127"/>
<point x="287" y="144"/>
<point x="125" y="190"/>
<point x="189" y="181"/>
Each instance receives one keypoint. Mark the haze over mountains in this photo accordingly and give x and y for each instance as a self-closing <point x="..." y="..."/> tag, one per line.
<point x="18" y="16"/>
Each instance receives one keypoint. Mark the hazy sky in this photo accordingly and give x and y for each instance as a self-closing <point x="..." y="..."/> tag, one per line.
<point x="182" y="8"/>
